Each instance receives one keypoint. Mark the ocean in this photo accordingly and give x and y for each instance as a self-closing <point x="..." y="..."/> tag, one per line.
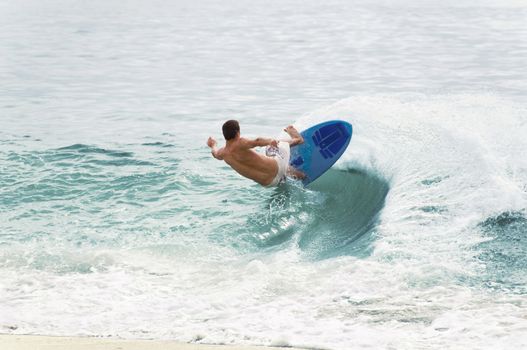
<point x="115" y="221"/>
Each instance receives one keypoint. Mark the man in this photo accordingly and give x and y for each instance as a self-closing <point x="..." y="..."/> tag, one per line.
<point x="267" y="170"/>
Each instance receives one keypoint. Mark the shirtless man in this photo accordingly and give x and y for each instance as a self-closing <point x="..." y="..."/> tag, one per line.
<point x="267" y="170"/>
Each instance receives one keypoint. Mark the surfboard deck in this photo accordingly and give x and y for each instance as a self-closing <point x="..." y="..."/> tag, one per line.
<point x="323" y="145"/>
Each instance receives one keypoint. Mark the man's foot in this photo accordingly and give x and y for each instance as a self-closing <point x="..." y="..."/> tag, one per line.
<point x="296" y="138"/>
<point x="297" y="174"/>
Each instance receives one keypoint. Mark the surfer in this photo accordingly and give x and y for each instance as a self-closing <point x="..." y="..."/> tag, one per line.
<point x="267" y="170"/>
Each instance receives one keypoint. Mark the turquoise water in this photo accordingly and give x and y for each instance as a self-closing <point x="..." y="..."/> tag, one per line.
<point x="116" y="221"/>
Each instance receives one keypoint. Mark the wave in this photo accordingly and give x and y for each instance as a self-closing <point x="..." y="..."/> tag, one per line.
<point x="453" y="165"/>
<point x="417" y="166"/>
<point x="344" y="221"/>
<point x="335" y="216"/>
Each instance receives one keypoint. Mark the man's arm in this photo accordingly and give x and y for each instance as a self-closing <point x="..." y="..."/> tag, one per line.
<point x="216" y="153"/>
<point x="260" y="142"/>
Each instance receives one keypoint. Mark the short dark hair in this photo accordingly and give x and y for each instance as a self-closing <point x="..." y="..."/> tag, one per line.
<point x="230" y="129"/>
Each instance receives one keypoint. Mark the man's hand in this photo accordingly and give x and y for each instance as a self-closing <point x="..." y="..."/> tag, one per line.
<point x="274" y="144"/>
<point x="211" y="142"/>
<point x="218" y="154"/>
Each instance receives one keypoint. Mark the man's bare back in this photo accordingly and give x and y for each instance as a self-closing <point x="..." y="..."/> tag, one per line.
<point x="239" y="154"/>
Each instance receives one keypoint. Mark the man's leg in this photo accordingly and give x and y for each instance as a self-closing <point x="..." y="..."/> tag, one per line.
<point x="296" y="138"/>
<point x="297" y="174"/>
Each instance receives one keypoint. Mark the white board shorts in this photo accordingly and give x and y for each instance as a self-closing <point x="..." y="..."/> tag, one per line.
<point x="281" y="155"/>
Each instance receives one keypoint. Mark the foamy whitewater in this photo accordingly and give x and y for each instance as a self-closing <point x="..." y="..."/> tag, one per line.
<point x="116" y="221"/>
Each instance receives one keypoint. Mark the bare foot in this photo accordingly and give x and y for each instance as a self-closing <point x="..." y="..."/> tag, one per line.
<point x="297" y="174"/>
<point x="296" y="138"/>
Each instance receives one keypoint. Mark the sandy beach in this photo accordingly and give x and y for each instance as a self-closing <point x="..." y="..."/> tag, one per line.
<point x="37" y="342"/>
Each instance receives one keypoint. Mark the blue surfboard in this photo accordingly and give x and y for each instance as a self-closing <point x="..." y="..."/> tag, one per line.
<point x="323" y="145"/>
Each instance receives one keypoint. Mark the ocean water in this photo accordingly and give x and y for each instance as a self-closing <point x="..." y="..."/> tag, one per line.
<point x="116" y="221"/>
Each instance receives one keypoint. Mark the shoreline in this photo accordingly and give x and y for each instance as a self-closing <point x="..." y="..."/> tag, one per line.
<point x="46" y="342"/>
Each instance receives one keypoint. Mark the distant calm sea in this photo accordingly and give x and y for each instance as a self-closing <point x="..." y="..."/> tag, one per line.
<point x="116" y="221"/>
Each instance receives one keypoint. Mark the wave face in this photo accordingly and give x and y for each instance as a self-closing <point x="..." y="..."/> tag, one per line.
<point x="344" y="222"/>
<point x="336" y="215"/>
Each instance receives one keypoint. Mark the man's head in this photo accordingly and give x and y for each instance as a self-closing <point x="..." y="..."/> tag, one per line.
<point x="230" y="129"/>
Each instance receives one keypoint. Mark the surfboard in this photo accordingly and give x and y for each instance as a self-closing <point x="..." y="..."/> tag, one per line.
<point x="323" y="145"/>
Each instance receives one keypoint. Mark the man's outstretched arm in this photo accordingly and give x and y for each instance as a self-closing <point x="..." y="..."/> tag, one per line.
<point x="216" y="153"/>
<point x="260" y="142"/>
